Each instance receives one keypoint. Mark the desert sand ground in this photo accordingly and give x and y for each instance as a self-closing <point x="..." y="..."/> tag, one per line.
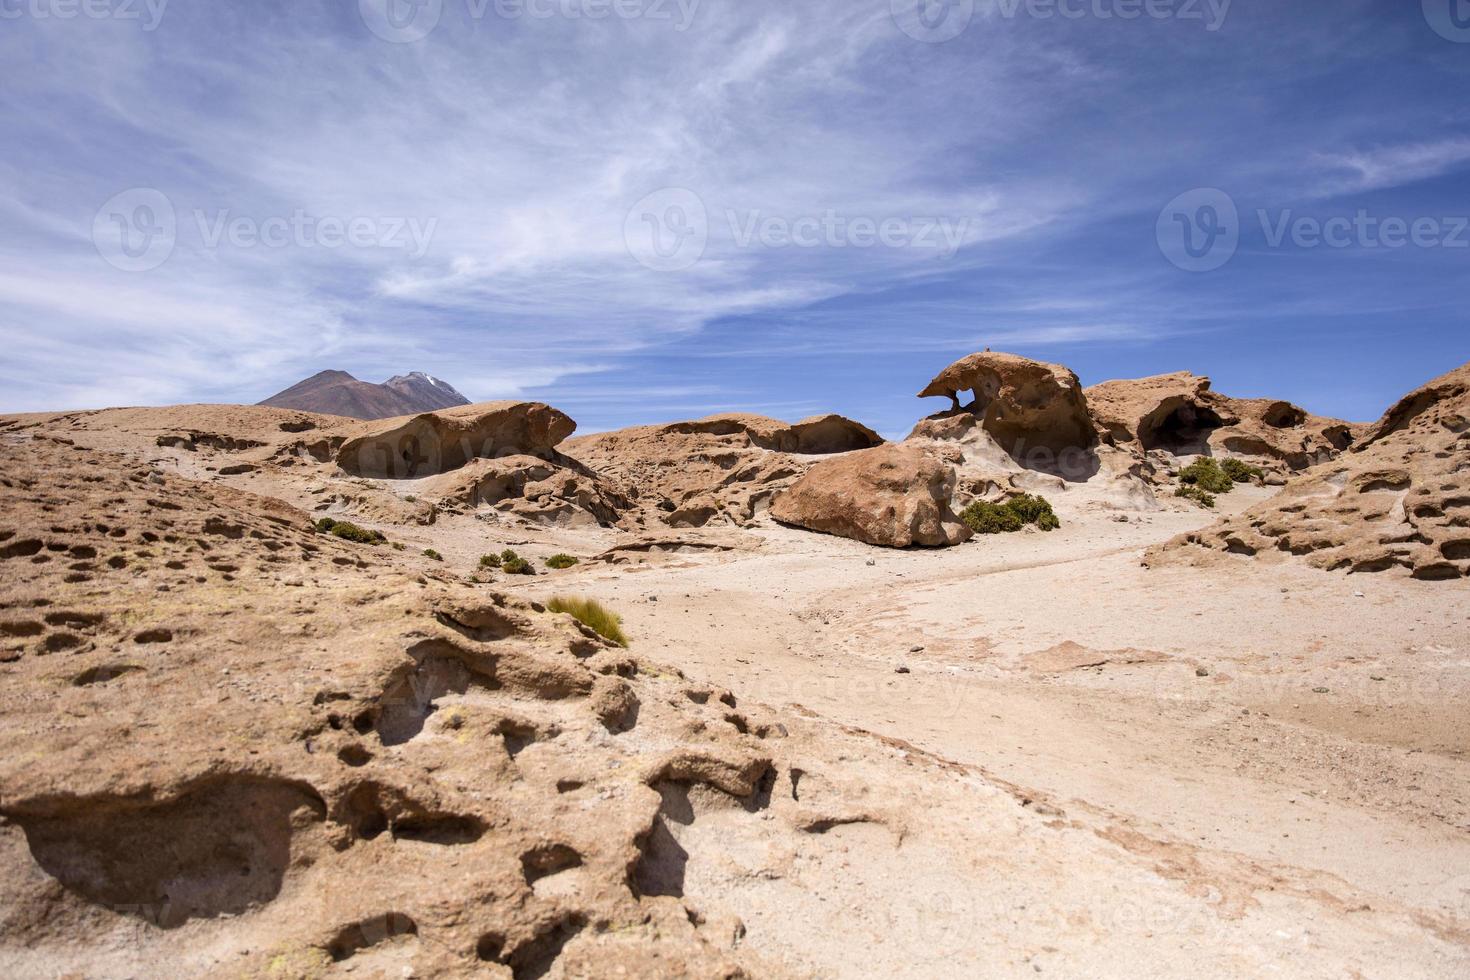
<point x="1027" y="755"/>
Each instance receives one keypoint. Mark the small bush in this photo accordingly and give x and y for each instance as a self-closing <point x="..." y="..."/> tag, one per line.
<point x="1011" y="516"/>
<point x="349" y="532"/>
<point x="987" y="518"/>
<point x="559" y="562"/>
<point x="1206" y="474"/>
<point x="1034" y="510"/>
<point x="489" y="561"/>
<point x="1200" y="496"/>
<point x="513" y="564"/>
<point x="1240" y="471"/>
<point x="594" y="615"/>
<point x="432" y="554"/>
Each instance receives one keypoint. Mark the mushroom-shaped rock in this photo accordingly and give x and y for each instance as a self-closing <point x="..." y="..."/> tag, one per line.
<point x="895" y="496"/>
<point x="1023" y="404"/>
<point x="437" y="442"/>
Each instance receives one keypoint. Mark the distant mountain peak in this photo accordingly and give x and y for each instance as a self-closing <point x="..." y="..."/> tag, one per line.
<point x="339" y="393"/>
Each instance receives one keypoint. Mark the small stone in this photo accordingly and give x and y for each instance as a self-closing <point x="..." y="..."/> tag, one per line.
<point x="1320" y="690"/>
<point x="916" y="649"/>
<point x="1201" y="672"/>
<point x="1375" y="677"/>
<point x="903" y="670"/>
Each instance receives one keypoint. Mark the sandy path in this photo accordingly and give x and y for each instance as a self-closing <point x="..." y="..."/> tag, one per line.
<point x="1222" y="744"/>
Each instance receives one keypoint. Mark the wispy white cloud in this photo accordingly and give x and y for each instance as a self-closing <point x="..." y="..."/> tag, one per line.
<point x="1390" y="166"/>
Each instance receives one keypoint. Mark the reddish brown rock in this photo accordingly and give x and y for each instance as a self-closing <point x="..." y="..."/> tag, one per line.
<point x="895" y="496"/>
<point x="1024" y="405"/>
<point x="1180" y="415"/>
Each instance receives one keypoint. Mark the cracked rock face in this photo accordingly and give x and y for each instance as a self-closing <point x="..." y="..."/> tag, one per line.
<point x="1399" y="500"/>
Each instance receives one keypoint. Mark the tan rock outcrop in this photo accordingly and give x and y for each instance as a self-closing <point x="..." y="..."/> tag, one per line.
<point x="1400" y="499"/>
<point x="557" y="491"/>
<point x="437" y="442"/>
<point x="718" y="470"/>
<point x="1027" y="406"/>
<point x="235" y="747"/>
<point x="1179" y="415"/>
<point x="895" y="496"/>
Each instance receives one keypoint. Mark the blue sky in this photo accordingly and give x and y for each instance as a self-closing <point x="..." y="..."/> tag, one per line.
<point x="203" y="200"/>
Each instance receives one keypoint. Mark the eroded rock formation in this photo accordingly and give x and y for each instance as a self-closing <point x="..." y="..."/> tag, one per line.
<point x="239" y="747"/>
<point x="1179" y="415"/>
<point x="437" y="442"/>
<point x="718" y="470"/>
<point x="1400" y="499"/>
<point x="1024" y="405"/>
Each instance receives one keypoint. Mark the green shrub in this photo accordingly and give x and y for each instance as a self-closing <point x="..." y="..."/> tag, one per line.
<point x="592" y="614"/>
<point x="489" y="561"/>
<point x="513" y="564"/>
<point x="987" y="518"/>
<point x="1034" y="510"/>
<point x="1240" y="471"/>
<point x="1206" y="474"/>
<point x="431" y="553"/>
<point x="559" y="562"/>
<point x="349" y="532"/>
<point x="1200" y="496"/>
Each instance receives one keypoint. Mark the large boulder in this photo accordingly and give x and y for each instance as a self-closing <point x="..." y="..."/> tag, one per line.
<point x="1179" y="415"/>
<point x="894" y="496"/>
<point x="1026" y="406"/>
<point x="437" y="442"/>
<point x="1399" y="500"/>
